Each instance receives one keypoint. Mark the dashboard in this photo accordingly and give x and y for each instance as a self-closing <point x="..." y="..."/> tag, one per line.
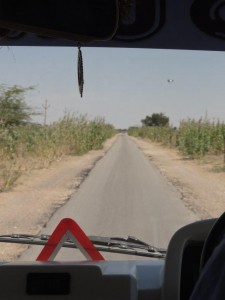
<point x="172" y="278"/>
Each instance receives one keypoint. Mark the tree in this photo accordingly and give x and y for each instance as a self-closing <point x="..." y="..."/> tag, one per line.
<point x="156" y="119"/>
<point x="13" y="108"/>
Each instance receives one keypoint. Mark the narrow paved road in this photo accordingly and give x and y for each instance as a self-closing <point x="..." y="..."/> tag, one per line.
<point x="123" y="195"/>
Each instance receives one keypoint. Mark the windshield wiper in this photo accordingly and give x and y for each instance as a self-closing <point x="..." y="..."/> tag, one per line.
<point x="130" y="245"/>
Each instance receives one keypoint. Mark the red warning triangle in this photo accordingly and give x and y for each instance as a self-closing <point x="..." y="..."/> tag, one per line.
<point x="68" y="228"/>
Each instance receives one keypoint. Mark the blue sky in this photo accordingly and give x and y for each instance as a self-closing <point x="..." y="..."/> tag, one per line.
<point x="121" y="85"/>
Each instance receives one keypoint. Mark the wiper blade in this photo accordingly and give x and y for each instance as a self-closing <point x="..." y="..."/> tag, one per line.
<point x="130" y="245"/>
<point x="126" y="243"/>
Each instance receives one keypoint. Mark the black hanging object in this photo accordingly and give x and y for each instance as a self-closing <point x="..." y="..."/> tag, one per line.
<point x="80" y="71"/>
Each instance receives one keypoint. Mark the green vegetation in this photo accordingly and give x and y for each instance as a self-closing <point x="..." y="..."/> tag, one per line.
<point x="31" y="146"/>
<point x="13" y="108"/>
<point x="198" y="138"/>
<point x="193" y="138"/>
<point x="26" y="146"/>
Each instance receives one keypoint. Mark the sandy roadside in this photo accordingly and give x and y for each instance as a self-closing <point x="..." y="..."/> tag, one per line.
<point x="202" y="190"/>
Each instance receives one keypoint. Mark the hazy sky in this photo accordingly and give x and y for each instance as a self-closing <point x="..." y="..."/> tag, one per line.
<point x="121" y="85"/>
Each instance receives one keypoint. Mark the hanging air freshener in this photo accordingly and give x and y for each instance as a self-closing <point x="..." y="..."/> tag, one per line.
<point x="80" y="71"/>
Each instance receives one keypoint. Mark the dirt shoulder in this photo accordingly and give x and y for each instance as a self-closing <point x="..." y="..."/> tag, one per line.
<point x="202" y="189"/>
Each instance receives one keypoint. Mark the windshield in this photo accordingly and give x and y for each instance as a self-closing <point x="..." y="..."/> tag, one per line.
<point x="140" y="154"/>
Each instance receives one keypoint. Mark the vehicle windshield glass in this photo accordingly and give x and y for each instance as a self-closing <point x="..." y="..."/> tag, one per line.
<point x="140" y="154"/>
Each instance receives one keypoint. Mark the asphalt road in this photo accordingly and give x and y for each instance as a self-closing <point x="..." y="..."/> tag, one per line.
<point x="123" y="195"/>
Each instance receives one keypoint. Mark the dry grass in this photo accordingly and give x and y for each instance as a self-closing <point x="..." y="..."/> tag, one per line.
<point x="23" y="148"/>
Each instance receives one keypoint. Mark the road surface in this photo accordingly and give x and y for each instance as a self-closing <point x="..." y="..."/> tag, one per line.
<point x="123" y="195"/>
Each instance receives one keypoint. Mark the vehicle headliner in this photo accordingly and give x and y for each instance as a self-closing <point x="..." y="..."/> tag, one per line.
<point x="177" y="31"/>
